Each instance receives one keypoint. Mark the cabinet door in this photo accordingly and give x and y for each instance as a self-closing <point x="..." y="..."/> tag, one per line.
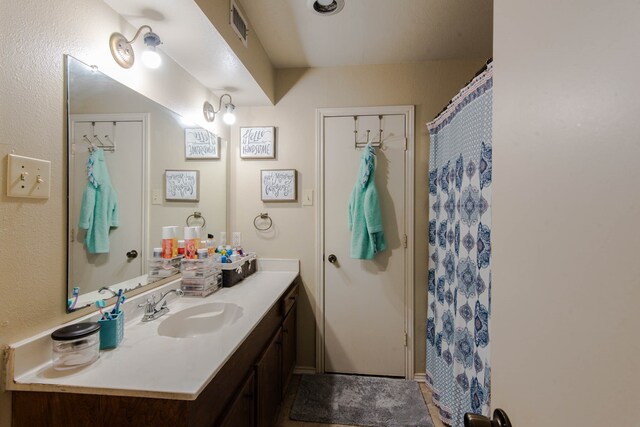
<point x="243" y="409"/>
<point x="269" y="378"/>
<point x="288" y="346"/>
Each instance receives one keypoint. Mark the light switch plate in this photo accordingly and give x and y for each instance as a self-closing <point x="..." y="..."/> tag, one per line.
<point x="28" y="177"/>
<point x="307" y="197"/>
<point x="156" y="197"/>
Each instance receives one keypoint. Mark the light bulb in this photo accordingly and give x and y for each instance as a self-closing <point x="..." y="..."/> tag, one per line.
<point x="151" y="58"/>
<point x="228" y="117"/>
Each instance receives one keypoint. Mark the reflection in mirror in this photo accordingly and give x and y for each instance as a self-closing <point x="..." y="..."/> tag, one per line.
<point x="120" y="145"/>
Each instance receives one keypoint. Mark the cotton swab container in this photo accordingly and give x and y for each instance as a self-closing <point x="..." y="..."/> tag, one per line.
<point x="75" y="345"/>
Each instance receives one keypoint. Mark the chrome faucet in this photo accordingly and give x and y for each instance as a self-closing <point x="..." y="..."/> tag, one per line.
<point x="151" y="310"/>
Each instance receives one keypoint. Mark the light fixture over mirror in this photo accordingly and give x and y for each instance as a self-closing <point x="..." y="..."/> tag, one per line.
<point x="210" y="113"/>
<point x="122" y="50"/>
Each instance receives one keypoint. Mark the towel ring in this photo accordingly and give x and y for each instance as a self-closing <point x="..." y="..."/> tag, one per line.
<point x="264" y="216"/>
<point x="196" y="216"/>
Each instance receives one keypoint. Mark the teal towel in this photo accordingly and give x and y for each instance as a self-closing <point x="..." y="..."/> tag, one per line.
<point x="99" y="209"/>
<point x="365" y="218"/>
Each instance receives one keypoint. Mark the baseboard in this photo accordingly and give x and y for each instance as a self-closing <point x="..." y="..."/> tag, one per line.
<point x="308" y="370"/>
<point x="420" y="377"/>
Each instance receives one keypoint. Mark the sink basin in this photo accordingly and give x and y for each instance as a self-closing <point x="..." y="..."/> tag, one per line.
<point x="199" y="320"/>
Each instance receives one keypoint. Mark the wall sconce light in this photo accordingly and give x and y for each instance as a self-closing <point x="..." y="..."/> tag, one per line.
<point x="210" y="113"/>
<point x="122" y="51"/>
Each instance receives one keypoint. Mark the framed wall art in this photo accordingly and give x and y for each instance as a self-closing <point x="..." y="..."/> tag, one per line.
<point x="258" y="142"/>
<point x="278" y="185"/>
<point x="182" y="185"/>
<point x="199" y="143"/>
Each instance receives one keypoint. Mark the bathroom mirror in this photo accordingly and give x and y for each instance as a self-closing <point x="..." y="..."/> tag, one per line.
<point x="120" y="144"/>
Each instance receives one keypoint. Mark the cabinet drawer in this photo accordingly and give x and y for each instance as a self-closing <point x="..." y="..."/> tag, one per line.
<point x="289" y="300"/>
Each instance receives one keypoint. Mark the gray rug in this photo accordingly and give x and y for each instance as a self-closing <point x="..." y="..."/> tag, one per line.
<point x="361" y="401"/>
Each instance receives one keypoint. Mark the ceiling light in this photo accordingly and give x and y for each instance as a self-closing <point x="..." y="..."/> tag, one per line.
<point x="210" y="113"/>
<point x="122" y="50"/>
<point x="326" y="7"/>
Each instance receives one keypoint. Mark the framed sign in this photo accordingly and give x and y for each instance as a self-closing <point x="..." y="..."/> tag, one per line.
<point x="181" y="186"/>
<point x="258" y="142"/>
<point x="201" y="144"/>
<point x="278" y="185"/>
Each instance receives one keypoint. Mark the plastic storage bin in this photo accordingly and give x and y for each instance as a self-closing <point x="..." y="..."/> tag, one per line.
<point x="159" y="268"/>
<point x="200" y="277"/>
<point x="75" y="345"/>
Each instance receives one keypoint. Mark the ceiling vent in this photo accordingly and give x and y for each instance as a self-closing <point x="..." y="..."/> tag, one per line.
<point x="326" y="7"/>
<point x="238" y="23"/>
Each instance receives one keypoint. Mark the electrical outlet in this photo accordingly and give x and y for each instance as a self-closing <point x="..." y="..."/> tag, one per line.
<point x="307" y="197"/>
<point x="28" y="177"/>
<point x="237" y="238"/>
<point x="156" y="197"/>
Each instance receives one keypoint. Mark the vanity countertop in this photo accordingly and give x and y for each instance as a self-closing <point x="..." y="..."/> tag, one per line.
<point x="147" y="364"/>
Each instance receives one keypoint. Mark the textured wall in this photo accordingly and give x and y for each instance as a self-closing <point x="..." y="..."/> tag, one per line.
<point x="428" y="86"/>
<point x="566" y="278"/>
<point x="35" y="36"/>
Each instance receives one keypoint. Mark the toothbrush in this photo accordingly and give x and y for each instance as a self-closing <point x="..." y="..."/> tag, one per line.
<point x="122" y="300"/>
<point x="101" y="304"/>
<point x="116" y="309"/>
<point x="75" y="294"/>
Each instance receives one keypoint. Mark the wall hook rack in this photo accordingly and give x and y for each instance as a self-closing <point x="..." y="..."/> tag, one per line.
<point x="360" y="144"/>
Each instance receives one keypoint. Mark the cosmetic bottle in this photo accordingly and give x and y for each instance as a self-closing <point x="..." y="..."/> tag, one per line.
<point x="211" y="245"/>
<point x="169" y="242"/>
<point x="191" y="240"/>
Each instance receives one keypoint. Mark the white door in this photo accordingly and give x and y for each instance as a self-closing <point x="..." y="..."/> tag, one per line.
<point x="91" y="271"/>
<point x="364" y="300"/>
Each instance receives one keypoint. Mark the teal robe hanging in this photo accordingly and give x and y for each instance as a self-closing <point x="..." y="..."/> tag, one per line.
<point x="365" y="217"/>
<point x="99" y="209"/>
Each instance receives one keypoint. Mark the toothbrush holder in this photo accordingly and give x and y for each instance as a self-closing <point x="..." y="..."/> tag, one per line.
<point x="111" y="331"/>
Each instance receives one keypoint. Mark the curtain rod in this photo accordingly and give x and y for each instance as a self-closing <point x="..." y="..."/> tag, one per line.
<point x="482" y="70"/>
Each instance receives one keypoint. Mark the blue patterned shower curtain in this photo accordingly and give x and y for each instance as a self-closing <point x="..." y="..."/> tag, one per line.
<point x="459" y="279"/>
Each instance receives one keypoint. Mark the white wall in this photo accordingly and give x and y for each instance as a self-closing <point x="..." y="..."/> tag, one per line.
<point x="427" y="85"/>
<point x="35" y="36"/>
<point x="566" y="206"/>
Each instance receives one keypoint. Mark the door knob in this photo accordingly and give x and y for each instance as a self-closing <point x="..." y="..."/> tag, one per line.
<point x="132" y="254"/>
<point x="332" y="258"/>
<point x="500" y="419"/>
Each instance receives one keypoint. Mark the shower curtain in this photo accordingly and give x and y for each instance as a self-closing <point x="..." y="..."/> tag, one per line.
<point x="459" y="278"/>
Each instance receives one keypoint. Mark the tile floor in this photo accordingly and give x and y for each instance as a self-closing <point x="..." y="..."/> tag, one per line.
<point x="284" y="421"/>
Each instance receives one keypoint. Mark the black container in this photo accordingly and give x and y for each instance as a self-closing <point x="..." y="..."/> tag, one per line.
<point x="250" y="266"/>
<point x="232" y="277"/>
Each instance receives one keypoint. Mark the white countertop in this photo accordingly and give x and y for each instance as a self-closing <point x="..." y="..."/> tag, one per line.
<point x="147" y="364"/>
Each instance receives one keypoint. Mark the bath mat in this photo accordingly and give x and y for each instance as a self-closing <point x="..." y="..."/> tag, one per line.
<point x="361" y="401"/>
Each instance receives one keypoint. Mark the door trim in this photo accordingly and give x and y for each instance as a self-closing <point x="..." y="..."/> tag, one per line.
<point x="408" y="112"/>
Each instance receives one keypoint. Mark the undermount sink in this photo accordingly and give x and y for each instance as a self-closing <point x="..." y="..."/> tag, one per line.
<point x="199" y="320"/>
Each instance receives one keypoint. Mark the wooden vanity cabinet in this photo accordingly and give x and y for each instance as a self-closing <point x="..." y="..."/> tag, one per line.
<point x="246" y="391"/>
<point x="289" y="343"/>
<point x="269" y="389"/>
<point x="242" y="411"/>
